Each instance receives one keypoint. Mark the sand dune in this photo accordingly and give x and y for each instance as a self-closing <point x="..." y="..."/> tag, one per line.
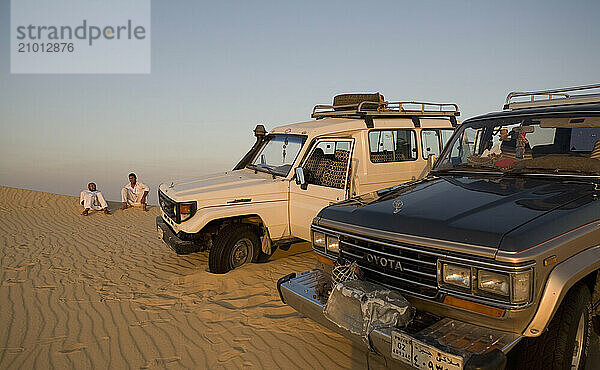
<point x="103" y="292"/>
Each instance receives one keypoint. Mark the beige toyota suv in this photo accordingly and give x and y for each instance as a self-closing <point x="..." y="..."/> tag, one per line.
<point x="358" y="144"/>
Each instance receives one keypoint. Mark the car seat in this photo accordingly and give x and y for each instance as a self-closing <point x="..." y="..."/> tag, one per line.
<point x="335" y="173"/>
<point x="315" y="166"/>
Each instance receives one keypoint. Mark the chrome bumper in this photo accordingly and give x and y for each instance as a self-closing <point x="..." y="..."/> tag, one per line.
<point x="298" y="291"/>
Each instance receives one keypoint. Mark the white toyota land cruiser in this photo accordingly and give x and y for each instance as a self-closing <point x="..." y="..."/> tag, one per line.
<point x="359" y="144"/>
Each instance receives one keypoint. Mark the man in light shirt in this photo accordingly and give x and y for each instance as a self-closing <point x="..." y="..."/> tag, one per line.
<point x="93" y="199"/>
<point x="135" y="193"/>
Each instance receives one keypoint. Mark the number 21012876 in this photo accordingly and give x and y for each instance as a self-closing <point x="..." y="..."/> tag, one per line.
<point x="46" y="47"/>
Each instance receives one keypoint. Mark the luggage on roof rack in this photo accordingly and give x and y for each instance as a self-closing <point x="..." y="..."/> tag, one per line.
<point x="374" y="105"/>
<point x="554" y="97"/>
<point x="350" y="101"/>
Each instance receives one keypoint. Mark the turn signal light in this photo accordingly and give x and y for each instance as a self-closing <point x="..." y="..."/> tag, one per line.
<point x="475" y="307"/>
<point x="324" y="260"/>
<point x="186" y="210"/>
<point x="550" y="260"/>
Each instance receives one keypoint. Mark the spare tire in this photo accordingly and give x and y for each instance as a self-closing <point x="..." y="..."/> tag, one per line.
<point x="355" y="99"/>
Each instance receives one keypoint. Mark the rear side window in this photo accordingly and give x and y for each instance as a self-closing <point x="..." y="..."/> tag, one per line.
<point x="445" y="136"/>
<point x="434" y="140"/>
<point x="392" y="146"/>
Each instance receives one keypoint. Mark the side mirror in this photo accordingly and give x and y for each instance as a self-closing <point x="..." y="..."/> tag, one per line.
<point x="300" y="180"/>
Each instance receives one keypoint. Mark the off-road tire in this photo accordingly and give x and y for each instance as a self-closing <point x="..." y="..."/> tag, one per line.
<point x="554" y="348"/>
<point x="220" y="255"/>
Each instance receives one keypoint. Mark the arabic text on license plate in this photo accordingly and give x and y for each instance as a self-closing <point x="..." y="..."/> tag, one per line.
<point x="160" y="232"/>
<point x="421" y="355"/>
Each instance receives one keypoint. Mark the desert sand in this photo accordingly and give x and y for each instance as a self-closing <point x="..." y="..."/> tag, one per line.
<point x="104" y="292"/>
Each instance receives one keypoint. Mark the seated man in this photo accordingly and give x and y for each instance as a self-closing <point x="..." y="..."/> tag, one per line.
<point x="508" y="142"/>
<point x="93" y="198"/>
<point x="135" y="193"/>
<point x="491" y="149"/>
<point x="514" y="144"/>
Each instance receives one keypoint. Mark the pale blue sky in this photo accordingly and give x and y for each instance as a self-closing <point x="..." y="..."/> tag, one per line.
<point x="219" y="68"/>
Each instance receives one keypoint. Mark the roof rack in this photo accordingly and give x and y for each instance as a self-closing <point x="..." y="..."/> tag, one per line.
<point x="555" y="97"/>
<point x="375" y="106"/>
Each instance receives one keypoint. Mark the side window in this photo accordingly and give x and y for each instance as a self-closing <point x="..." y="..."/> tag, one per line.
<point x="445" y="136"/>
<point x="392" y="146"/>
<point x="327" y="165"/>
<point x="430" y="140"/>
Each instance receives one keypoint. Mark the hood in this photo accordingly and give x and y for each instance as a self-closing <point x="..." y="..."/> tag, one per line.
<point x="227" y="187"/>
<point x="472" y="210"/>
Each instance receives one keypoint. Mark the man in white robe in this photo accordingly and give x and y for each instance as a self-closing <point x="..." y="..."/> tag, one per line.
<point x="93" y="199"/>
<point x="135" y="193"/>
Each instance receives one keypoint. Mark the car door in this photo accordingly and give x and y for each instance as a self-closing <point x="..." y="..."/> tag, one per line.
<point x="326" y="175"/>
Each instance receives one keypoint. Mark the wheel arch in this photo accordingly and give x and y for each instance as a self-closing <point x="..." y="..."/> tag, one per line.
<point x="583" y="267"/>
<point x="213" y="226"/>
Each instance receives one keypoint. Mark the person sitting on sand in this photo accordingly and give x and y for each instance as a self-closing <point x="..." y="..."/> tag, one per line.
<point x="93" y="199"/>
<point x="135" y="193"/>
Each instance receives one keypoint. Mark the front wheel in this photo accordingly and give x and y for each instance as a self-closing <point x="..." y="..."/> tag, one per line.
<point x="234" y="246"/>
<point x="565" y="343"/>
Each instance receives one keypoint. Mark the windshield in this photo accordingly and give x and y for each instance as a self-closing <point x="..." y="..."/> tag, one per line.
<point x="560" y="145"/>
<point x="278" y="154"/>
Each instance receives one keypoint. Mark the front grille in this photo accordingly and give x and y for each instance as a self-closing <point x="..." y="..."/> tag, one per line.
<point x="167" y="205"/>
<point x="403" y="267"/>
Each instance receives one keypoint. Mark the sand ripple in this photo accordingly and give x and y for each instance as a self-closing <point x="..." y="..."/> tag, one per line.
<point x="103" y="292"/>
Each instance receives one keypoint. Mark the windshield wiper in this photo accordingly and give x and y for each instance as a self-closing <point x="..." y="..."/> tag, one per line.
<point x="359" y="201"/>
<point x="466" y="168"/>
<point x="549" y="171"/>
<point x="264" y="169"/>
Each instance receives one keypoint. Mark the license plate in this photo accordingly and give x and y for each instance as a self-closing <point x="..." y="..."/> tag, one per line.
<point x="160" y="232"/>
<point x="421" y="355"/>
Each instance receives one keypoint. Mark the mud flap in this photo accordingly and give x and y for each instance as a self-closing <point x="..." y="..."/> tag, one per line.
<point x="361" y="307"/>
<point x="266" y="242"/>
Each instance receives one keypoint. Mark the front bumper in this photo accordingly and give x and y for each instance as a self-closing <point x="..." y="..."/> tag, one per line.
<point x="168" y="236"/>
<point x="490" y="346"/>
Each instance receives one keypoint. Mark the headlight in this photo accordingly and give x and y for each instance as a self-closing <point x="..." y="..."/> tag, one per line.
<point x="333" y="244"/>
<point x="511" y="287"/>
<point x="318" y="239"/>
<point x="456" y="275"/>
<point x="186" y="210"/>
<point x="521" y="284"/>
<point x="494" y="282"/>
